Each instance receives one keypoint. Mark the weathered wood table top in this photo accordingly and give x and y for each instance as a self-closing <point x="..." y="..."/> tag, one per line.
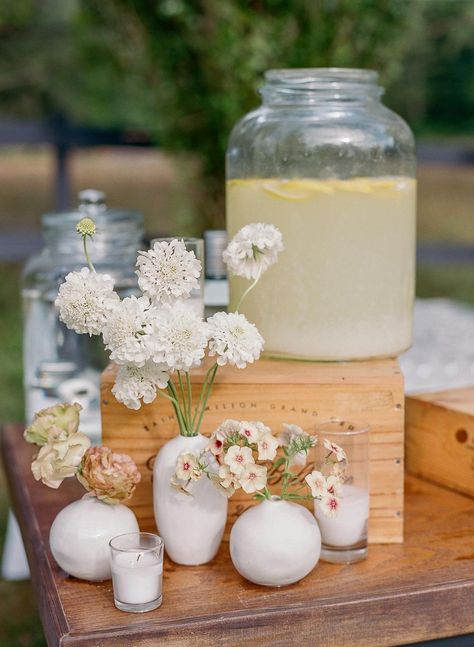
<point x="420" y="590"/>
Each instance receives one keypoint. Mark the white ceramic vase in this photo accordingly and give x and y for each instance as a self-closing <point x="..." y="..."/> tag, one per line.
<point x="80" y="534"/>
<point x="191" y="526"/>
<point x="275" y="543"/>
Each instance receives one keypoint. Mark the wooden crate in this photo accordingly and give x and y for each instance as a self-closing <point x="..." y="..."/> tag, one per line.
<point x="275" y="391"/>
<point x="440" y="438"/>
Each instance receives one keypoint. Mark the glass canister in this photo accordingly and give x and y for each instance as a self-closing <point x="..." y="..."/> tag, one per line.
<point x="333" y="168"/>
<point x="58" y="364"/>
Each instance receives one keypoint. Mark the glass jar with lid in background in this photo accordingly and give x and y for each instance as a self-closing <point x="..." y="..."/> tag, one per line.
<point x="326" y="162"/>
<point x="60" y="365"/>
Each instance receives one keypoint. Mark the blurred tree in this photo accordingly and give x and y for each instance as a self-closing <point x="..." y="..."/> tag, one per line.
<point x="187" y="70"/>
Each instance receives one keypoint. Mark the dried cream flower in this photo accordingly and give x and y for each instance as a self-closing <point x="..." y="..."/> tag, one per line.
<point x="60" y="417"/>
<point x="59" y="458"/>
<point x="186" y="465"/>
<point x="109" y="476"/>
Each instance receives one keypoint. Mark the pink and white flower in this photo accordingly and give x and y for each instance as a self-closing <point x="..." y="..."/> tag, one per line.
<point x="187" y="467"/>
<point x="216" y="441"/>
<point x="338" y="452"/>
<point x="330" y="505"/>
<point x="236" y="457"/>
<point x="267" y="447"/>
<point x="252" y="431"/>
<point x="317" y="482"/>
<point x="333" y="486"/>
<point x="227" y="478"/>
<point x="253" y="477"/>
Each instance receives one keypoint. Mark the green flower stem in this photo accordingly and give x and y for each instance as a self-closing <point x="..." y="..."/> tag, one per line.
<point x="190" y="396"/>
<point x="185" y="405"/>
<point x="86" y="253"/>
<point x="206" y="389"/>
<point x="174" y="397"/>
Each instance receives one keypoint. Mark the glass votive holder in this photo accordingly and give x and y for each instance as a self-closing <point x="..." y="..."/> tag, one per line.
<point x="196" y="245"/>
<point x="137" y="571"/>
<point x="344" y="536"/>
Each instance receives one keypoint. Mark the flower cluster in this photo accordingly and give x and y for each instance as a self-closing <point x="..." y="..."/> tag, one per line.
<point x="156" y="336"/>
<point x="65" y="452"/>
<point x="243" y="454"/>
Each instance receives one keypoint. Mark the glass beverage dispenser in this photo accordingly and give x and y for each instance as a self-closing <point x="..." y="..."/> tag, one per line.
<point x="59" y="365"/>
<point x="327" y="163"/>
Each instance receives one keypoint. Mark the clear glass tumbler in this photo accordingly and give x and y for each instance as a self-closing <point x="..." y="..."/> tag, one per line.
<point x="137" y="571"/>
<point x="344" y="536"/>
<point x="196" y="245"/>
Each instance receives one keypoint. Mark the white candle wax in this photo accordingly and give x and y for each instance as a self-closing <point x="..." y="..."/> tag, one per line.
<point x="349" y="526"/>
<point x="136" y="577"/>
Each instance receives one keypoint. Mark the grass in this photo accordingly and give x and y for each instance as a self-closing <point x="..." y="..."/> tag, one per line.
<point x="152" y="184"/>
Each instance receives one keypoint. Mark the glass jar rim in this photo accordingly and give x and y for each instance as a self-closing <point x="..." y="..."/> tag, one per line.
<point x="156" y="538"/>
<point x="355" y="427"/>
<point x="315" y="77"/>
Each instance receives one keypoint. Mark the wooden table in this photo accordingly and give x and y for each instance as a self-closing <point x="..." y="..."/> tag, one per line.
<point x="423" y="589"/>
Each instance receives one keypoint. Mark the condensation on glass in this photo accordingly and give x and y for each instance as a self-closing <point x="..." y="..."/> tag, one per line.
<point x="60" y="365"/>
<point x="333" y="168"/>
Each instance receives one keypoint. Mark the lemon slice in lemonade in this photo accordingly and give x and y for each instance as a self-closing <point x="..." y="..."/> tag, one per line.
<point x="294" y="189"/>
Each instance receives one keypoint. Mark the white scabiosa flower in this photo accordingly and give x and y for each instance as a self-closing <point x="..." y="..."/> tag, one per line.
<point x="168" y="271"/>
<point x="127" y="331"/>
<point x="252" y="250"/>
<point x="85" y="300"/>
<point x="233" y="339"/>
<point x="253" y="477"/>
<point x="317" y="482"/>
<point x="134" y="383"/>
<point x="236" y="457"/>
<point x="180" y="337"/>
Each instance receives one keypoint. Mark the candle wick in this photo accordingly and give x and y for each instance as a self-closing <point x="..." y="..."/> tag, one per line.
<point x="139" y="555"/>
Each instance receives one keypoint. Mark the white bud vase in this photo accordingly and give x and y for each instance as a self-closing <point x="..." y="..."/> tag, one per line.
<point x="191" y="526"/>
<point x="275" y="543"/>
<point x="80" y="534"/>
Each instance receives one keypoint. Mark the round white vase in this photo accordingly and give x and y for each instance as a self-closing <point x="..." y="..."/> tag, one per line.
<point x="275" y="543"/>
<point x="80" y="534"/>
<point x="191" y="526"/>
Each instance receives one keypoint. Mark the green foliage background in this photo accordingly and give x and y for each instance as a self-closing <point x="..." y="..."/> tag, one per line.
<point x="186" y="70"/>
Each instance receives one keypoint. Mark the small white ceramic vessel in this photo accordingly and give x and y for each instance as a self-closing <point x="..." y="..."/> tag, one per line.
<point x="80" y="534"/>
<point x="191" y="526"/>
<point x="275" y="543"/>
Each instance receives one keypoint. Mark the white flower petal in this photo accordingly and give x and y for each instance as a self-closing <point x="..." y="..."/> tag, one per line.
<point x="134" y="383"/>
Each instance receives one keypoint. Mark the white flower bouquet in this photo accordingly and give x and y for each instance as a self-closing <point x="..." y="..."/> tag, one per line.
<point x="243" y="454"/>
<point x="156" y="339"/>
